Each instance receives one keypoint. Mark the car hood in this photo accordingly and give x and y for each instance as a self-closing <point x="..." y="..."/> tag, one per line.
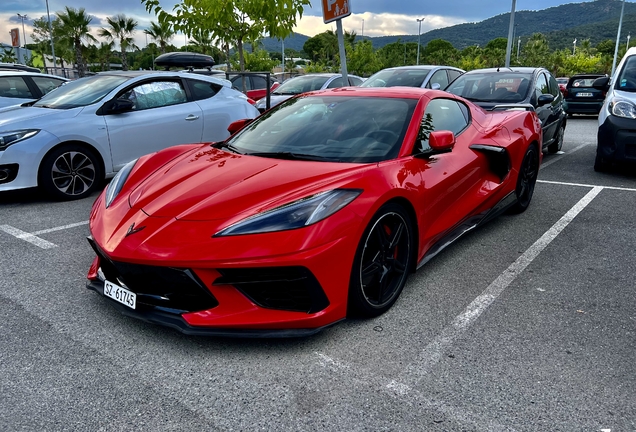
<point x="26" y="116"/>
<point x="210" y="184"/>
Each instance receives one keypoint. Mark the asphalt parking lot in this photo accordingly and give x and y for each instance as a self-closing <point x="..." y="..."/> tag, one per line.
<point x="528" y="324"/>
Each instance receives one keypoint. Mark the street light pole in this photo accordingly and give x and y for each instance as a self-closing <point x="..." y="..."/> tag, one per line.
<point x="22" y="18"/>
<point x="51" y="35"/>
<point x="510" y="31"/>
<point x="618" y="38"/>
<point x="574" y="47"/>
<point x="628" y="36"/>
<point x="419" y="38"/>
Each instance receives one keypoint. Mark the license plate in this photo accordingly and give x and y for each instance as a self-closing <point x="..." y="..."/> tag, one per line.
<point x="120" y="294"/>
<point x="584" y="94"/>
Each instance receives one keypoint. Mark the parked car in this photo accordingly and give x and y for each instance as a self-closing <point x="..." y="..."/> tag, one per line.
<point x="18" y="67"/>
<point x="17" y="87"/>
<point x="499" y="88"/>
<point x="616" y="138"/>
<point x="315" y="211"/>
<point x="581" y="97"/>
<point x="435" y="77"/>
<point x="562" y="82"/>
<point x="68" y="141"/>
<point x="304" y="84"/>
<point x="255" y="84"/>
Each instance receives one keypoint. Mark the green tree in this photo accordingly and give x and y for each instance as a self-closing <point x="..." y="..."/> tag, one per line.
<point x="121" y="29"/>
<point x="161" y="33"/>
<point x="322" y="47"/>
<point x="536" y="51"/>
<point x="73" y="30"/>
<point x="362" y="60"/>
<point x="233" y="22"/>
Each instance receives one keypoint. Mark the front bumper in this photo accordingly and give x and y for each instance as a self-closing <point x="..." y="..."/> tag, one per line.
<point x="616" y="139"/>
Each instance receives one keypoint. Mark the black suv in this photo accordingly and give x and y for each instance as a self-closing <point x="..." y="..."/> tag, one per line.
<point x="520" y="86"/>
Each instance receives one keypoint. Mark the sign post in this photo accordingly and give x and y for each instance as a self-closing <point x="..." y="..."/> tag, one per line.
<point x="335" y="10"/>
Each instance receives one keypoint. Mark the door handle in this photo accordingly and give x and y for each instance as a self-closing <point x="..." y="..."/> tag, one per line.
<point x="192" y="117"/>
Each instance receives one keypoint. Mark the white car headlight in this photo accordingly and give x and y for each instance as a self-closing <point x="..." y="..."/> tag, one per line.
<point x="297" y="214"/>
<point x="11" y="137"/>
<point x="622" y="108"/>
<point x="115" y="185"/>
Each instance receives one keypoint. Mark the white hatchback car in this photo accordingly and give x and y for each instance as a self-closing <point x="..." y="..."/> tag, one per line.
<point x="17" y="87"/>
<point x="71" y="139"/>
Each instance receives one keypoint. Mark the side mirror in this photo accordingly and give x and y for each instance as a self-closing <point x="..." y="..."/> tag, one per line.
<point x="121" y="105"/>
<point x="545" y="99"/>
<point x="601" y="83"/>
<point x="436" y="86"/>
<point x="441" y="141"/>
<point x="238" y="125"/>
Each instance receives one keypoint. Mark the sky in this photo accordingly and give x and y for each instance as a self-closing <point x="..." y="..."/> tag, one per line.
<point x="368" y="18"/>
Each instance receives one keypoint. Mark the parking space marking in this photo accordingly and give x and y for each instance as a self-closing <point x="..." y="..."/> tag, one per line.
<point x="587" y="185"/>
<point x="22" y="235"/>
<point x="33" y="237"/>
<point x="561" y="155"/>
<point x="434" y="351"/>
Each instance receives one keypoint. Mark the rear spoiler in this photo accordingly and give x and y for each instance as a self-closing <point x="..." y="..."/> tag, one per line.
<point x="517" y="107"/>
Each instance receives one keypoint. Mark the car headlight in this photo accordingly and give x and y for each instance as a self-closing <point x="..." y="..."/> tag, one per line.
<point x="622" y="108"/>
<point x="115" y="185"/>
<point x="297" y="214"/>
<point x="12" y="137"/>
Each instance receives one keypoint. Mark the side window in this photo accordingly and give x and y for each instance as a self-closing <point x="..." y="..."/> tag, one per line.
<point x="237" y="83"/>
<point x="14" y="87"/>
<point x="443" y="114"/>
<point x="554" y="87"/>
<point x="335" y="83"/>
<point x="440" y="77"/>
<point x="156" y="94"/>
<point x="452" y="74"/>
<point x="46" y="84"/>
<point x="541" y="86"/>
<point x="355" y="81"/>
<point x="259" y="82"/>
<point x="202" y="89"/>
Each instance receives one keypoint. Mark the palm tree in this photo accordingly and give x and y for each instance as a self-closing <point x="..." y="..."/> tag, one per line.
<point x="202" y="41"/>
<point x="74" y="28"/>
<point x="121" y="29"/>
<point x="104" y="53"/>
<point x="161" y="33"/>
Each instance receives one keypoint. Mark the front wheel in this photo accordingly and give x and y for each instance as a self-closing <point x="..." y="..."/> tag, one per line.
<point x="70" y="172"/>
<point x="382" y="262"/>
<point x="528" y="173"/>
<point x="557" y="145"/>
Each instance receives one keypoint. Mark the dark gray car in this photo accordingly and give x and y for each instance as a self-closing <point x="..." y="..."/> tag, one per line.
<point x="523" y="86"/>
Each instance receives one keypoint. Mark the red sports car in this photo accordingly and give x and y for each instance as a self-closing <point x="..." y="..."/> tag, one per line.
<point x="315" y="211"/>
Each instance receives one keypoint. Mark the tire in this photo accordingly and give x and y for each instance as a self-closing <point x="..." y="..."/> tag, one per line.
<point x="600" y="164"/>
<point x="70" y="172"/>
<point x="557" y="145"/>
<point x="528" y="173"/>
<point x="382" y="262"/>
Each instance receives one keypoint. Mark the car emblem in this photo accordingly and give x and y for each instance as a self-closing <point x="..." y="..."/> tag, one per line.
<point x="133" y="230"/>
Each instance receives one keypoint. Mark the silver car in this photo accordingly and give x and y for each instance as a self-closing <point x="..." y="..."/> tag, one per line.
<point x="17" y="87"/>
<point x="71" y="139"/>
<point x="424" y="76"/>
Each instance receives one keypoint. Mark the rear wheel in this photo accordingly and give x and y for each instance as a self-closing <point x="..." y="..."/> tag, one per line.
<point x="382" y="262"/>
<point x="557" y="145"/>
<point x="70" y="172"/>
<point x="600" y="164"/>
<point x="527" y="179"/>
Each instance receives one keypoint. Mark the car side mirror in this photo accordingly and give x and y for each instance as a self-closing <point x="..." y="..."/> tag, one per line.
<point x="545" y="99"/>
<point x="436" y="86"/>
<point x="439" y="142"/>
<point x="120" y="105"/>
<point x="238" y="125"/>
<point x="601" y="83"/>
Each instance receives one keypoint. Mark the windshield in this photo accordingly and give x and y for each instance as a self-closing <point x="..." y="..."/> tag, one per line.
<point x="302" y="84"/>
<point x="626" y="80"/>
<point x="397" y="77"/>
<point x="329" y="128"/>
<point x="506" y="87"/>
<point x="81" y="92"/>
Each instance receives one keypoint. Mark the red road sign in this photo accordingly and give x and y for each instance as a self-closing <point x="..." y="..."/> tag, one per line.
<point x="15" y="37"/>
<point x="335" y="9"/>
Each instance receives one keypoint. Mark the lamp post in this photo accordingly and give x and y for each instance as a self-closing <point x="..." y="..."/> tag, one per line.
<point x="22" y="18"/>
<point x="510" y="31"/>
<point x="518" y="47"/>
<point x="419" y="38"/>
<point x="51" y="35"/>
<point x="628" y="36"/>
<point x="574" y="47"/>
<point x="618" y="38"/>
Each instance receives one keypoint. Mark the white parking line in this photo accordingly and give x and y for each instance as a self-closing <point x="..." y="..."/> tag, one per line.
<point x="434" y="351"/>
<point x="587" y="185"/>
<point x="32" y="237"/>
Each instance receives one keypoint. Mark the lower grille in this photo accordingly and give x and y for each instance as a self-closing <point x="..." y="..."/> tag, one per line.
<point x="284" y="288"/>
<point x="177" y="290"/>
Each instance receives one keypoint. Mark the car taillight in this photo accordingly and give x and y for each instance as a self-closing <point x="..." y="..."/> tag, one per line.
<point x="251" y="101"/>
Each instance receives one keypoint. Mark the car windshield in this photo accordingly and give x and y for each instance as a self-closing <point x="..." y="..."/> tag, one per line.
<point x="626" y="80"/>
<point x="301" y="84"/>
<point x="397" y="77"/>
<point x="81" y="92"/>
<point x="328" y="128"/>
<point x="505" y="87"/>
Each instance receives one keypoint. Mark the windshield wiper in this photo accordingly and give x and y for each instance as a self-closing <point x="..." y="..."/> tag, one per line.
<point x="224" y="145"/>
<point x="292" y="156"/>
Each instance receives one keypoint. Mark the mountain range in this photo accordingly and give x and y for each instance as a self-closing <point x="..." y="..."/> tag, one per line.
<point x="596" y="21"/>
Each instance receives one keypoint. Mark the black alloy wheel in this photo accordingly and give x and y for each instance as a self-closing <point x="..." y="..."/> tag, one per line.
<point x="557" y="145"/>
<point x="527" y="179"/>
<point x="382" y="262"/>
<point x="70" y="172"/>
